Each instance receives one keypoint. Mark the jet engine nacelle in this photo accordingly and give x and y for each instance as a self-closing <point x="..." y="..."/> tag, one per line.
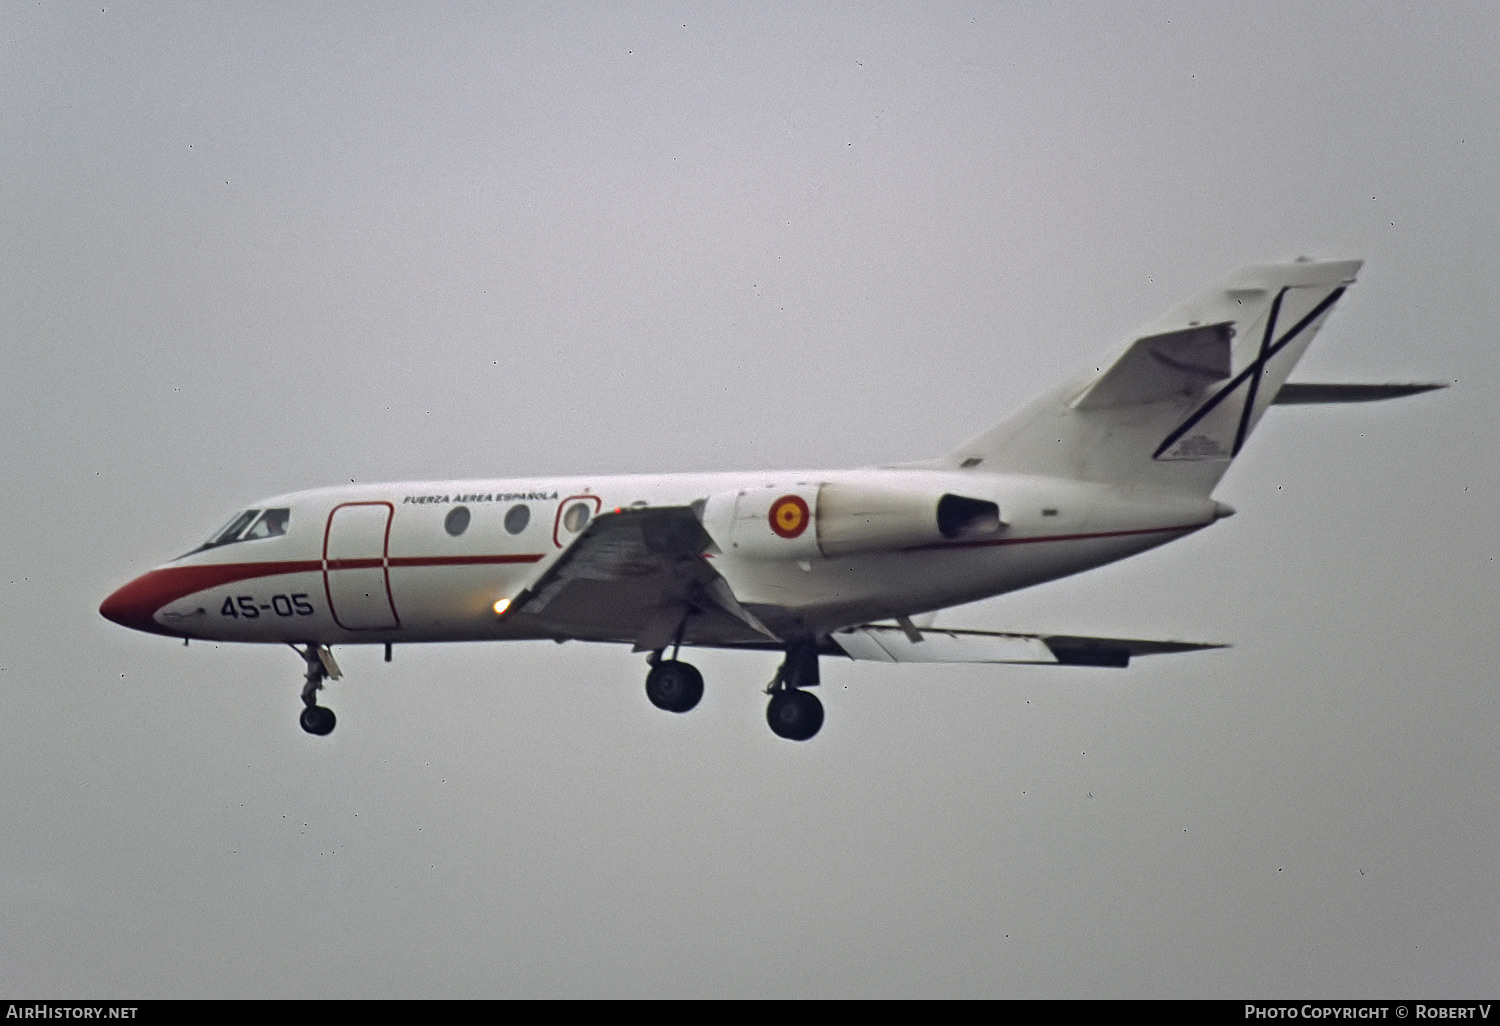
<point x="838" y="518"/>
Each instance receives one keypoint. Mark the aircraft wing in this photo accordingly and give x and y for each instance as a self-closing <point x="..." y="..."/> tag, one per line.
<point x="886" y="643"/>
<point x="638" y="575"/>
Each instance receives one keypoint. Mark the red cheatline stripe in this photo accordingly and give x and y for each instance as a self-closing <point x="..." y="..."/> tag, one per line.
<point x="136" y="603"/>
<point x="987" y="542"/>
<point x="353" y="564"/>
<point x="461" y="560"/>
<point x="407" y="561"/>
<point x="375" y="563"/>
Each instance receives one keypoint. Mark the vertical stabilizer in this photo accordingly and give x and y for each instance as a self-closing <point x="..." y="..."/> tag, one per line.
<point x="1175" y="407"/>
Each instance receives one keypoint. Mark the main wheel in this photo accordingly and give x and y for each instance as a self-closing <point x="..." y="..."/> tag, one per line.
<point x="674" y="686"/>
<point x="318" y="720"/>
<point x="794" y="714"/>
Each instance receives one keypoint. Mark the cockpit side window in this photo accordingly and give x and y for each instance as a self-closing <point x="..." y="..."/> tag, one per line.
<point x="272" y="524"/>
<point x="249" y="525"/>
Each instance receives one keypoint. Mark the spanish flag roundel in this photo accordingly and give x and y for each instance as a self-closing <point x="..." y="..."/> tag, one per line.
<point x="789" y="516"/>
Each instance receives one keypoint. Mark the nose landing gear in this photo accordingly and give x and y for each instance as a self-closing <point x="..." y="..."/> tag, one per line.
<point x="316" y="719"/>
<point x="321" y="666"/>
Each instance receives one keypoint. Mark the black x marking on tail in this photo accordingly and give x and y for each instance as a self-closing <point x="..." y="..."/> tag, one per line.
<point x="1252" y="373"/>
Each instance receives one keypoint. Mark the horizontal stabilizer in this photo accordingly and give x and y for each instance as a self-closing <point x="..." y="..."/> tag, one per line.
<point x="1300" y="394"/>
<point x="885" y="643"/>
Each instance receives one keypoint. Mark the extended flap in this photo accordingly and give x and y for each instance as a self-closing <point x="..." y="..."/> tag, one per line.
<point x="883" y="643"/>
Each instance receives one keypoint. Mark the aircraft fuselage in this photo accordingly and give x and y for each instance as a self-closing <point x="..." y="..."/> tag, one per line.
<point x="428" y="561"/>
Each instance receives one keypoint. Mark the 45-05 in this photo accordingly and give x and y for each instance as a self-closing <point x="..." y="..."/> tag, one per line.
<point x="282" y="605"/>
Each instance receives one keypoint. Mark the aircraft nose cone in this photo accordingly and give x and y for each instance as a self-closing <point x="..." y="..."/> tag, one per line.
<point x="135" y="605"/>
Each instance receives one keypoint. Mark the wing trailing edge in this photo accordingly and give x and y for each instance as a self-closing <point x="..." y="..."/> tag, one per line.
<point x="886" y="643"/>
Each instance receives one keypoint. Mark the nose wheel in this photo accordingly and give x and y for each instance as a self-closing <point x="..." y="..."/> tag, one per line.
<point x="316" y="719"/>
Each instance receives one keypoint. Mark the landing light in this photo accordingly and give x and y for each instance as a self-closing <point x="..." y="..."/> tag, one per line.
<point x="501" y="605"/>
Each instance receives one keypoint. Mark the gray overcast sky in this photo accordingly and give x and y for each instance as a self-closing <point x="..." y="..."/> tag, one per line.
<point x="253" y="248"/>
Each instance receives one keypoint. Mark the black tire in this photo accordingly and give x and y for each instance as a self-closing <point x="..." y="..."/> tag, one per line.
<point x="318" y="720"/>
<point x="674" y="686"/>
<point x="794" y="714"/>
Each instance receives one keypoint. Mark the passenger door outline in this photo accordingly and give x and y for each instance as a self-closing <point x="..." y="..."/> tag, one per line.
<point x="356" y="566"/>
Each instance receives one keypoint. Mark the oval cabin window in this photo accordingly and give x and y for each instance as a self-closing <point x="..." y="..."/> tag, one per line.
<point x="457" y="521"/>
<point x="576" y="516"/>
<point x="516" y="519"/>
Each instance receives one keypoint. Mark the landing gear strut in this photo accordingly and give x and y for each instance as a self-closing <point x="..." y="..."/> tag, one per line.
<point x="321" y="666"/>
<point x="795" y="714"/>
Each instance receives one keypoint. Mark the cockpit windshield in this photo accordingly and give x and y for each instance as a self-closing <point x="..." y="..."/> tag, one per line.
<point x="249" y="526"/>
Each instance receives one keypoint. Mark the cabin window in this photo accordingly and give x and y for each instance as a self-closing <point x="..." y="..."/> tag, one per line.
<point x="576" y="516"/>
<point x="516" y="518"/>
<point x="457" y="520"/>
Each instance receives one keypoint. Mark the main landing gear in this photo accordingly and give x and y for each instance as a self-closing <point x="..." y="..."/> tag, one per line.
<point x="793" y="713"/>
<point x="321" y="666"/>
<point x="673" y="685"/>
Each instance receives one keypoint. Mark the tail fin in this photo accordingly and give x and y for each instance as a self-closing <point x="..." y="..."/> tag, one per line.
<point x="1177" y="405"/>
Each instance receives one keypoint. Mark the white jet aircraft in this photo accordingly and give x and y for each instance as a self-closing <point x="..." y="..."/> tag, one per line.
<point x="809" y="563"/>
